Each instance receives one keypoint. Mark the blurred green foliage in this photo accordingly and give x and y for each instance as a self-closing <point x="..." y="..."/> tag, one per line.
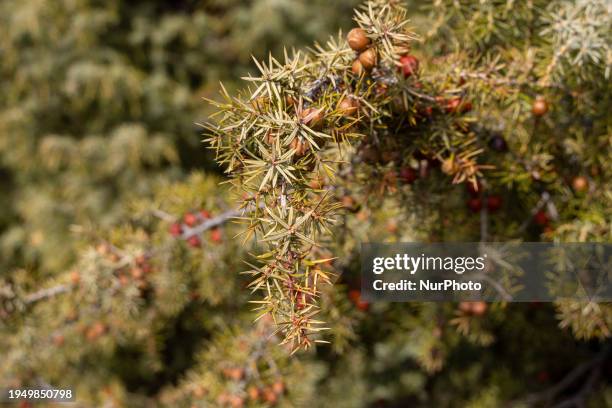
<point x="100" y="99"/>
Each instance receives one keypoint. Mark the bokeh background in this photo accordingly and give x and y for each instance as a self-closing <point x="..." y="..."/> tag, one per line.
<point x="99" y="99"/>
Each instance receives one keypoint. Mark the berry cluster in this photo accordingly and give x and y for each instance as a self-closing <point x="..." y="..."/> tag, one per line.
<point x="188" y="229"/>
<point x="244" y="387"/>
<point x="130" y="270"/>
<point x="477" y="200"/>
<point x="367" y="56"/>
<point x="461" y="167"/>
<point x="125" y="270"/>
<point x="266" y="395"/>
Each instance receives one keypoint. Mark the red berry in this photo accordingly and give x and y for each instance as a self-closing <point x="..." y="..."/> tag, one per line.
<point x="278" y="387"/>
<point x="269" y="396"/>
<point x="541" y="218"/>
<point x="253" y="393"/>
<point x="355" y="296"/>
<point x="456" y="104"/>
<point x="75" y="277"/>
<point x="409" y="65"/>
<point x="475" y="204"/>
<point x="452" y="105"/>
<point x="540" y="107"/>
<point x="215" y="235"/>
<point x="580" y="184"/>
<point x="205" y="214"/>
<point x="494" y="203"/>
<point x="175" y="229"/>
<point x="479" y="308"/>
<point x="190" y="219"/>
<point x="427" y="111"/>
<point x="194" y="241"/>
<point x="408" y="175"/>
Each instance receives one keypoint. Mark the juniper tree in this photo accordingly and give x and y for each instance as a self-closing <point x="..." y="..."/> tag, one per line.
<point x="348" y="121"/>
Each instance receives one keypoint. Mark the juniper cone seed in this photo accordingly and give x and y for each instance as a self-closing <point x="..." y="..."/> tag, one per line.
<point x="494" y="203"/>
<point x="498" y="144"/>
<point x="540" y="107"/>
<point x="348" y="106"/>
<point x="299" y="146"/>
<point x="426" y="112"/>
<point x="541" y="218"/>
<point x="355" y="296"/>
<point x="475" y="204"/>
<point x="580" y="184"/>
<point x="452" y="105"/>
<point x="216" y="235"/>
<point x="358" y="68"/>
<point x="312" y="117"/>
<point x="278" y="387"/>
<point x="357" y="39"/>
<point x="194" y="241"/>
<point x="269" y="396"/>
<point x="479" y="308"/>
<point x="409" y="65"/>
<point x="190" y="219"/>
<point x="253" y="393"/>
<point x="290" y="100"/>
<point x="408" y="175"/>
<point x="269" y="138"/>
<point x="368" y="59"/>
<point x="175" y="229"/>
